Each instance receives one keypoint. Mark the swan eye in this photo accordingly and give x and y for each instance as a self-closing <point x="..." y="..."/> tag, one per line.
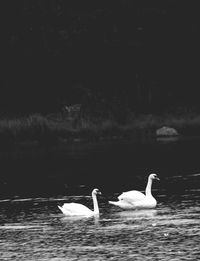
<point x="98" y="191"/>
<point x="155" y="177"/>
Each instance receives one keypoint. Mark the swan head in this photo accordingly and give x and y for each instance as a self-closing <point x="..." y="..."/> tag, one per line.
<point x="96" y="191"/>
<point x="153" y="176"/>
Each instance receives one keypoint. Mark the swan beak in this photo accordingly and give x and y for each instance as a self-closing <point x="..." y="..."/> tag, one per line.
<point x="157" y="178"/>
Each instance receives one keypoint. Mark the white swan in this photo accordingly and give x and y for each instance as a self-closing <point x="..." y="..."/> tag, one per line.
<point x="137" y="200"/>
<point x="76" y="209"/>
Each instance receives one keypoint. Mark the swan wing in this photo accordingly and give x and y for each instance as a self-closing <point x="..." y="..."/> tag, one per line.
<point x="132" y="196"/>
<point x="76" y="209"/>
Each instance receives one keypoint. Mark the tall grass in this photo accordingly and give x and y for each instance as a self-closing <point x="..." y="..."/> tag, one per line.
<point x="32" y="128"/>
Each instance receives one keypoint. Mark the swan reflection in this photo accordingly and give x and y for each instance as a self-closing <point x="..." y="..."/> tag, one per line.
<point x="72" y="219"/>
<point x="142" y="213"/>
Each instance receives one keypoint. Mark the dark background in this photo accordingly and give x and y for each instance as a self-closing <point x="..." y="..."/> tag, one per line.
<point x="144" y="54"/>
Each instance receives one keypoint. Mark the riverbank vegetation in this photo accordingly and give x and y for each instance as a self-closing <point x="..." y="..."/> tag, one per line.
<point x="53" y="128"/>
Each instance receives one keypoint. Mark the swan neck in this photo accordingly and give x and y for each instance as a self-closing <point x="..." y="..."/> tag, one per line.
<point x="95" y="203"/>
<point x="148" y="187"/>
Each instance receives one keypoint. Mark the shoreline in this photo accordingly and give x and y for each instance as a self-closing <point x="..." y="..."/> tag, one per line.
<point x="41" y="130"/>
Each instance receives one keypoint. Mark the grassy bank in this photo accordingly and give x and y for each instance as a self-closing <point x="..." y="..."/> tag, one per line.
<point x="50" y="129"/>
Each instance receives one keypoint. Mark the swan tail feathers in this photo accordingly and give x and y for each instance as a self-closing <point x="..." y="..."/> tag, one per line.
<point x="60" y="208"/>
<point x="115" y="203"/>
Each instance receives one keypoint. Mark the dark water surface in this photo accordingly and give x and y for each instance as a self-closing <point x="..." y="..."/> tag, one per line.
<point x="71" y="169"/>
<point x="33" y="181"/>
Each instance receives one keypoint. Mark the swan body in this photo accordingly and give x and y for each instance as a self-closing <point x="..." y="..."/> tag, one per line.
<point x="76" y="209"/>
<point x="137" y="200"/>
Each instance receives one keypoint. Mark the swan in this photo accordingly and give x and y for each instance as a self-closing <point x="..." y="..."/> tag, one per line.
<point x="76" y="209"/>
<point x="137" y="200"/>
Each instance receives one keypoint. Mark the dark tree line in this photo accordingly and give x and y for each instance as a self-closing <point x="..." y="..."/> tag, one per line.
<point x="142" y="55"/>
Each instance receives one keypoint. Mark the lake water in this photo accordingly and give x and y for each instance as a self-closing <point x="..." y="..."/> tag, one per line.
<point x="36" y="181"/>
